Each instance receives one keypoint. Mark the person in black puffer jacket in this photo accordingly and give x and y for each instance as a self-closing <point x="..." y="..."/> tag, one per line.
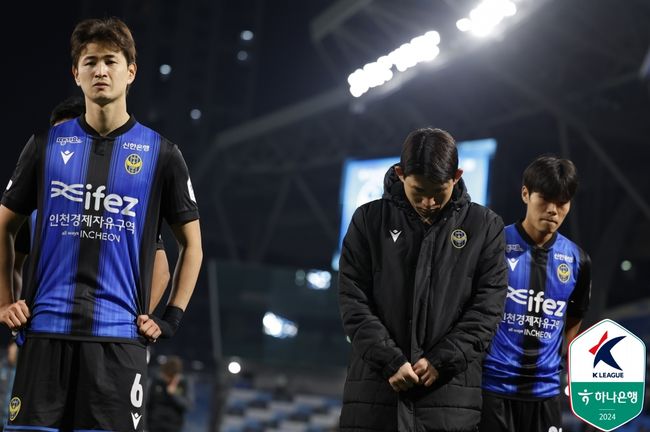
<point x="422" y="285"/>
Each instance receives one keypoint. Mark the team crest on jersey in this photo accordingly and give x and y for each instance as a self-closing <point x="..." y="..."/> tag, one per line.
<point x="458" y="239"/>
<point x="133" y="164"/>
<point x="563" y="273"/>
<point x="14" y="408"/>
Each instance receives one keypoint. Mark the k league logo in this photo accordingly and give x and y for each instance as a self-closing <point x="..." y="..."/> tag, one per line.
<point x="607" y="366"/>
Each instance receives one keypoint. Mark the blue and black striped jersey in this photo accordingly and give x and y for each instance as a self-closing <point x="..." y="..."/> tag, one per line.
<point x="545" y="284"/>
<point x="99" y="202"/>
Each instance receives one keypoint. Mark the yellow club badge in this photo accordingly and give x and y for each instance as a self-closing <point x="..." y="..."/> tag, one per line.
<point x="133" y="164"/>
<point x="563" y="273"/>
<point x="14" y="408"/>
<point x="458" y="239"/>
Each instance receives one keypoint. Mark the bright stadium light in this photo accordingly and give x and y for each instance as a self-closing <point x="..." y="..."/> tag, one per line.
<point x="464" y="24"/>
<point x="319" y="279"/>
<point x="420" y="49"/>
<point x="242" y="55"/>
<point x="246" y="35"/>
<point x="234" y="367"/>
<point x="165" y="69"/>
<point x="486" y="16"/>
<point x="279" y="327"/>
<point x="195" y="114"/>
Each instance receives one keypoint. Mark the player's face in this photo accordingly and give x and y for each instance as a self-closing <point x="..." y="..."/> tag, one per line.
<point x="544" y="216"/>
<point x="103" y="73"/>
<point x="427" y="197"/>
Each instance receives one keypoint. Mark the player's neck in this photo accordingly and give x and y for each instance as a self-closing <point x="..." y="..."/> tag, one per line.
<point x="105" y="119"/>
<point x="538" y="237"/>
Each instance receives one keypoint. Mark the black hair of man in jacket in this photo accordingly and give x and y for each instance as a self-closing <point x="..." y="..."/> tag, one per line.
<point x="422" y="284"/>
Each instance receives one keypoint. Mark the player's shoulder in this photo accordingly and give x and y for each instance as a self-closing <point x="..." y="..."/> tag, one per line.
<point x="367" y="211"/>
<point x="39" y="139"/>
<point x="166" y="145"/>
<point x="374" y="205"/>
<point x="486" y="213"/>
<point x="382" y="208"/>
<point x="566" y="247"/>
<point x="43" y="135"/>
<point x="479" y="218"/>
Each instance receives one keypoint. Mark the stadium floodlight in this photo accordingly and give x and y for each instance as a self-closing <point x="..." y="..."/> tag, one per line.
<point x="246" y="35"/>
<point x="626" y="265"/>
<point x="234" y="367"/>
<point x="420" y="49"/>
<point x="319" y="279"/>
<point x="165" y="69"/>
<point x="195" y="114"/>
<point x="486" y="16"/>
<point x="279" y="327"/>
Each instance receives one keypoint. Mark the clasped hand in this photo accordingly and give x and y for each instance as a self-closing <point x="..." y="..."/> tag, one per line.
<point x="421" y="373"/>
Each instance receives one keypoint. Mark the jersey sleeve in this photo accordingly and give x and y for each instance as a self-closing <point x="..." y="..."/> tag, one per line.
<point x="21" y="192"/>
<point x="581" y="295"/>
<point x="160" y="245"/>
<point x="178" y="200"/>
<point x="22" y="244"/>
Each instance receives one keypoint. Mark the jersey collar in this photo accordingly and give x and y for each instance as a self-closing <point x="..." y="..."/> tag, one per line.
<point x="117" y="132"/>
<point x="524" y="235"/>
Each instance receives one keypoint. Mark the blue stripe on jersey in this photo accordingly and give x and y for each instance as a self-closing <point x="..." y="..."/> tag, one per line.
<point x="32" y="230"/>
<point x="536" y="317"/>
<point x="59" y="251"/>
<point x="131" y="175"/>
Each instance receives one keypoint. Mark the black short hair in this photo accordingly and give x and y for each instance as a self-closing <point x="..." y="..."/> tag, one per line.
<point x="112" y="31"/>
<point x="431" y="153"/>
<point x="556" y="179"/>
<point x="68" y="109"/>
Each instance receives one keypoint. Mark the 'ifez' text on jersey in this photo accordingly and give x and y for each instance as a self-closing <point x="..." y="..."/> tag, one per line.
<point x="94" y="227"/>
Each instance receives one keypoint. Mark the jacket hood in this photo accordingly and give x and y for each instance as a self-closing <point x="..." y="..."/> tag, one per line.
<point x="394" y="190"/>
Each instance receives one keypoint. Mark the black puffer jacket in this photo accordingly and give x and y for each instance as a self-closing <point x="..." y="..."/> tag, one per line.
<point x="409" y="290"/>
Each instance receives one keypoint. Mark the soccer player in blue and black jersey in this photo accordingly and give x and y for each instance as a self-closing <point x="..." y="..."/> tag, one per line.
<point x="101" y="184"/>
<point x="69" y="109"/>
<point x="549" y="285"/>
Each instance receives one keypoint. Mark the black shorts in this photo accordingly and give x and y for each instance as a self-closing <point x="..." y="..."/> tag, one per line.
<point x="512" y="415"/>
<point x="65" y="385"/>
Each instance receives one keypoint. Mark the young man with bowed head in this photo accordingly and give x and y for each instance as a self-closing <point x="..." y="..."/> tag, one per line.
<point x="422" y="283"/>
